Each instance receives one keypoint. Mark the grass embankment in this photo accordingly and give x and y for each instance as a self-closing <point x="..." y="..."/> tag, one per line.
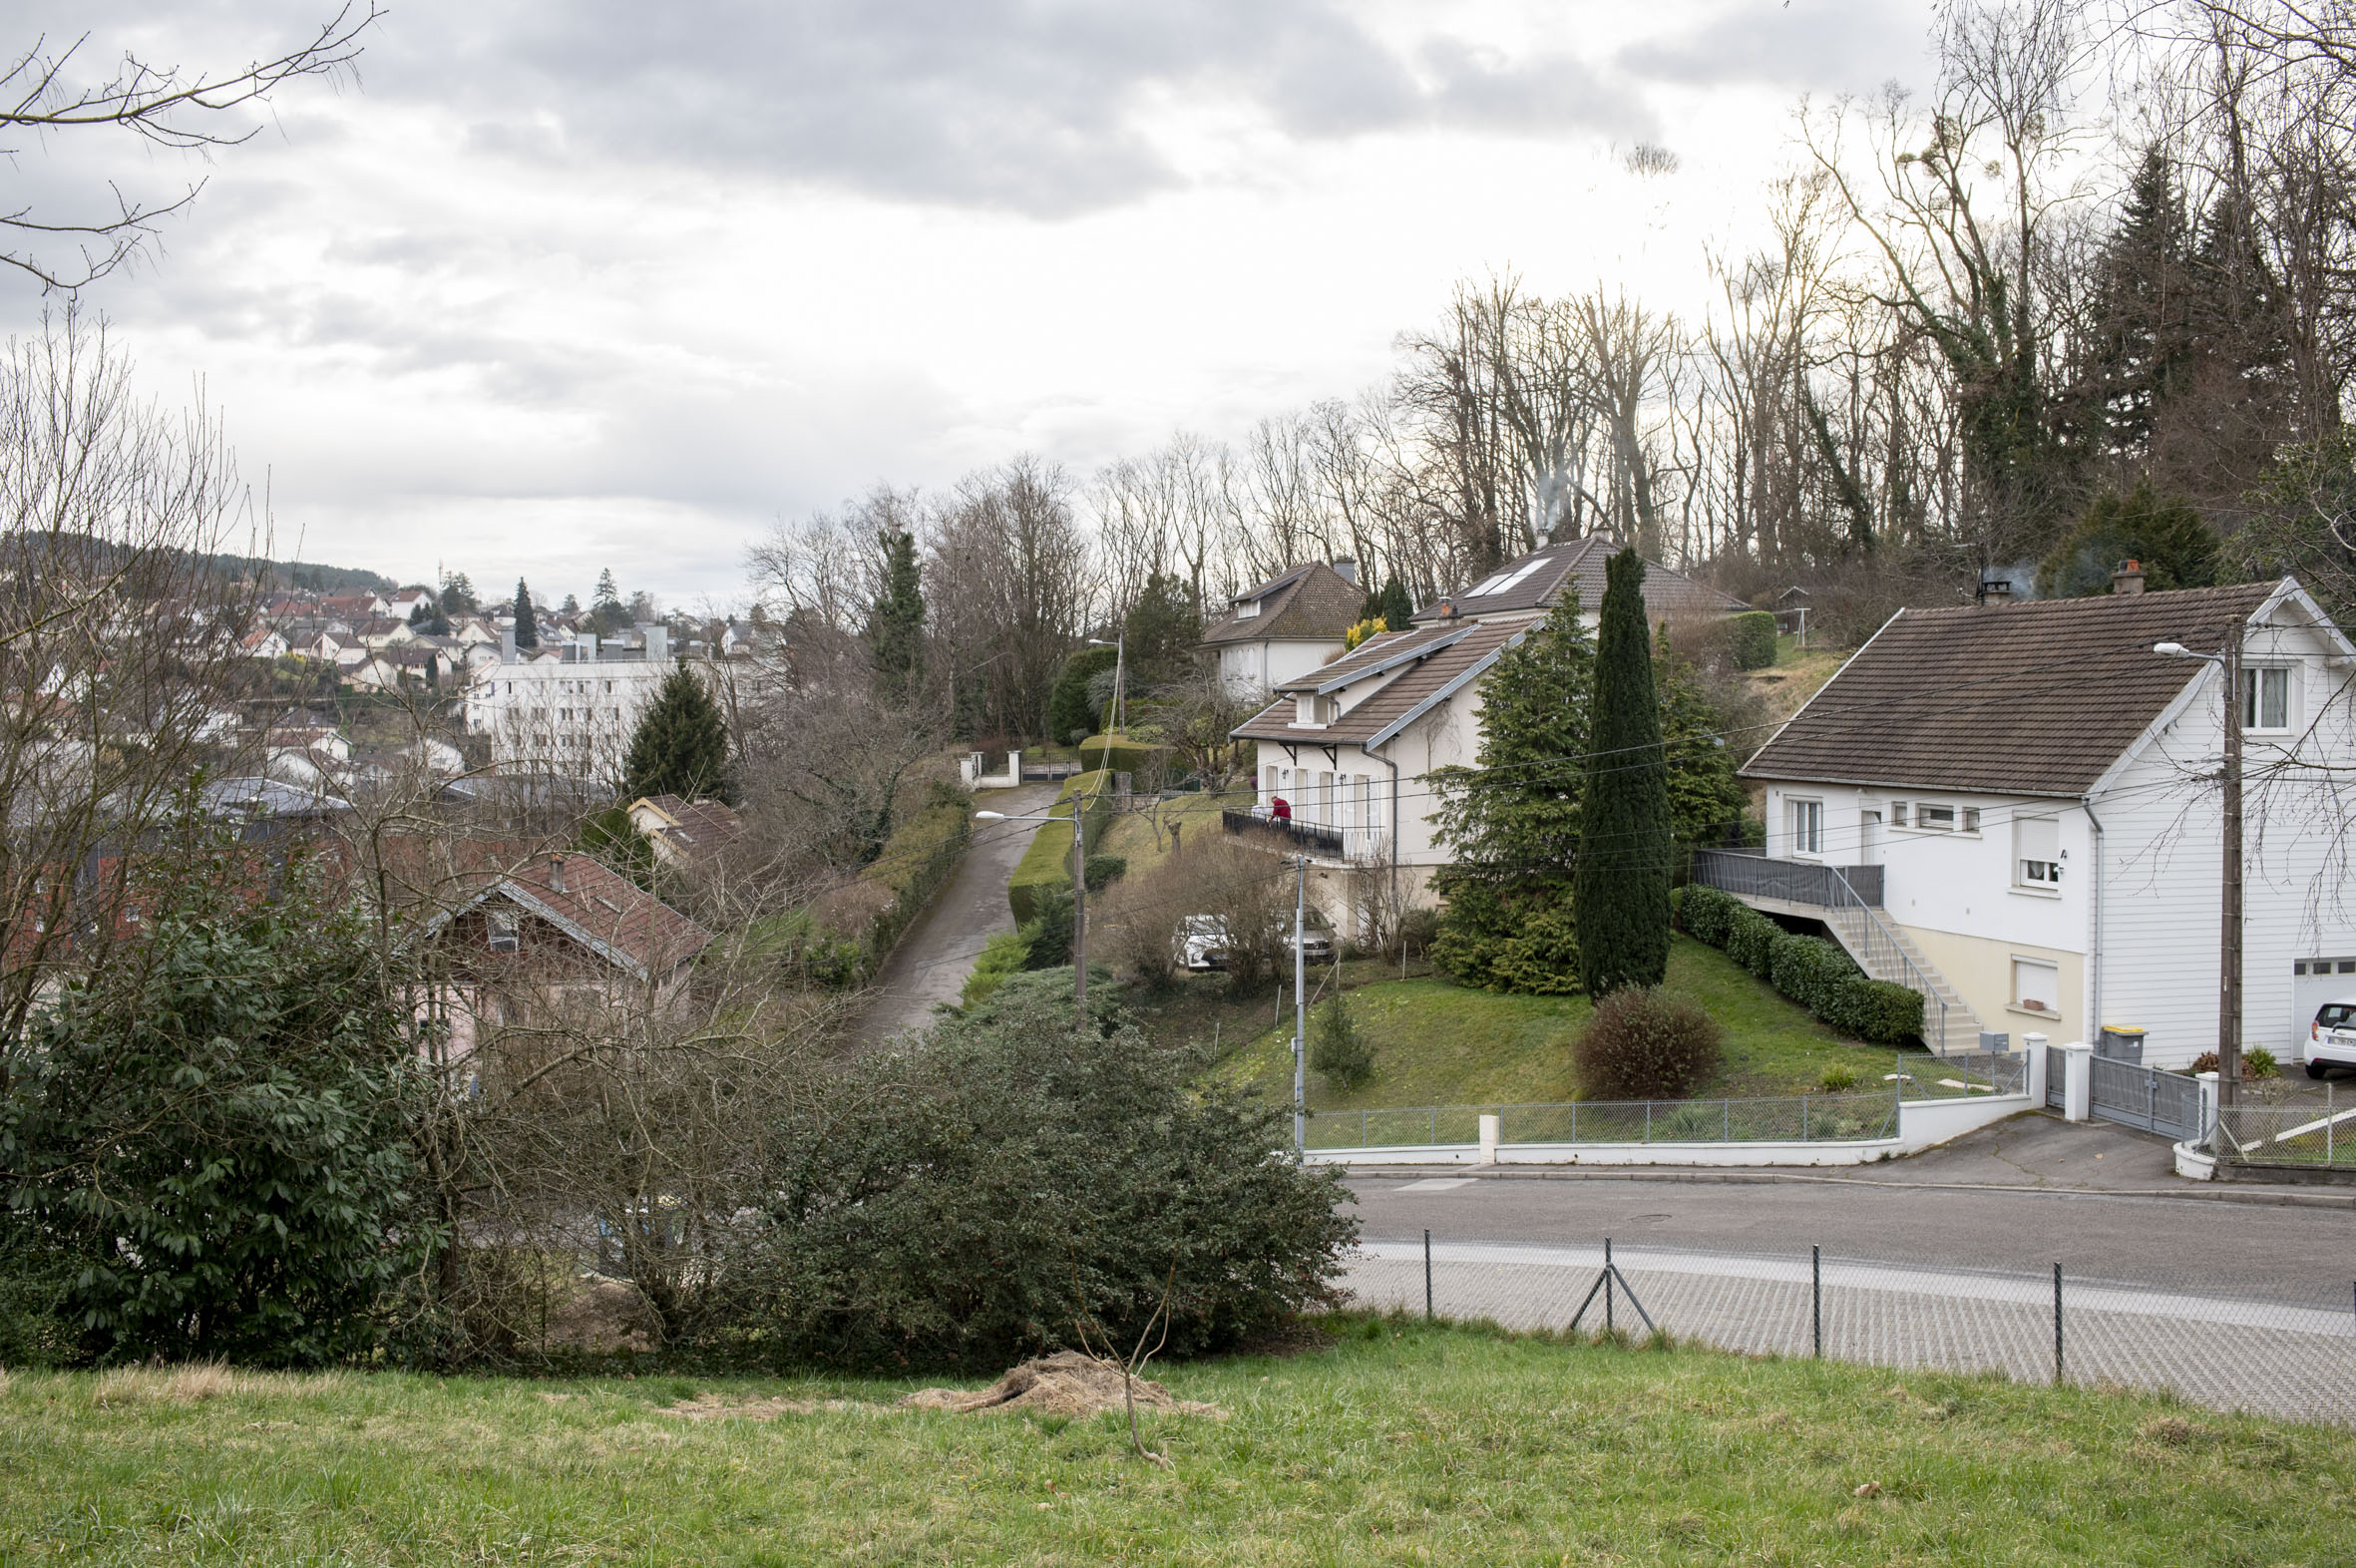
<point x="1794" y="677"/>
<point x="1397" y="1443"/>
<point x="1142" y="837"/>
<point x="1436" y="1043"/>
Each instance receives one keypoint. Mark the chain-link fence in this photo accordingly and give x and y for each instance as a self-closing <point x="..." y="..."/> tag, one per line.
<point x="2290" y="1357"/>
<point x="2314" y="1127"/>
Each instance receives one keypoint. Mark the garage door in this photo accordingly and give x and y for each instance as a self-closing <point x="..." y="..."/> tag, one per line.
<point x="2316" y="982"/>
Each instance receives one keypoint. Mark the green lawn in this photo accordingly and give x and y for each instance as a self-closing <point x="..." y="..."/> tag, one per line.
<point x="1436" y="1043"/>
<point x="1394" y="1444"/>
<point x="1134" y="836"/>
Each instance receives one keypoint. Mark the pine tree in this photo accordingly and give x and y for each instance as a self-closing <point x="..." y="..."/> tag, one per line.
<point x="526" y="618"/>
<point x="681" y="746"/>
<point x="1621" y="881"/>
<point x="607" y="593"/>
<point x="428" y="618"/>
<point x="457" y="595"/>
<point x="2176" y="549"/>
<point x="1512" y="822"/>
<point x="896" y="621"/>
<point x="1161" y="632"/>
<point x="1704" y="797"/>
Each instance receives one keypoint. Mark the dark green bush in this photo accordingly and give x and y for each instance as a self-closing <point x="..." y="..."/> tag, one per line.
<point x="965" y="1205"/>
<point x="1817" y="974"/>
<point x="1751" y="938"/>
<point x="1706" y="914"/>
<point x="1879" y="1013"/>
<point x="1338" y="1050"/>
<point x="1120" y="754"/>
<point x="1047" y="934"/>
<point x="1810" y="970"/>
<point x="1749" y="638"/>
<point x="1645" y="1044"/>
<point x="1101" y="871"/>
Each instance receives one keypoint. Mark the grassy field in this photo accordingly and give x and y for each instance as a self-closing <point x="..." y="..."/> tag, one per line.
<point x="1135" y="835"/>
<point x="1441" y="1044"/>
<point x="1393" y="1443"/>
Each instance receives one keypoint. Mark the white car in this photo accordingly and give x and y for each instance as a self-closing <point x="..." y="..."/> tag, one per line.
<point x="2331" y="1038"/>
<point x="1202" y="940"/>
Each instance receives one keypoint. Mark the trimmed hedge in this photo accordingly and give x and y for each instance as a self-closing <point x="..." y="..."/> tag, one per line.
<point x="1119" y="754"/>
<point x="1817" y="974"/>
<point x="1047" y="863"/>
<point x="1749" y="638"/>
<point x="1102" y="871"/>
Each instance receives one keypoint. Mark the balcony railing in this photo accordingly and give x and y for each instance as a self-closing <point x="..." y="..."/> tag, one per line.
<point x="1750" y="873"/>
<point x="1307" y="835"/>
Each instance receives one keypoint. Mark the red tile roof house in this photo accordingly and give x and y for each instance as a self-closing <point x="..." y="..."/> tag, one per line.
<point x="534" y="945"/>
<point x="2023" y="800"/>
<point x="1348" y="744"/>
<point x="685" y="832"/>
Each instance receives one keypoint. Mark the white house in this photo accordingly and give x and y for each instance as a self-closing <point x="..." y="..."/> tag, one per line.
<point x="2024" y="797"/>
<point x="571" y="713"/>
<point x="1277" y="631"/>
<point x="1349" y="744"/>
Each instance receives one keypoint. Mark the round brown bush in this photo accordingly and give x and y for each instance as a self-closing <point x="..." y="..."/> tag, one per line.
<point x="1643" y="1045"/>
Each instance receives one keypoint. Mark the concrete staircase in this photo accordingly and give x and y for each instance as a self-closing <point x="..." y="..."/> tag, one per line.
<point x="1885" y="951"/>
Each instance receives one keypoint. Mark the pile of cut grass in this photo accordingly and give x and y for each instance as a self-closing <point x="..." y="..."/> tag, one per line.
<point x="1398" y="1443"/>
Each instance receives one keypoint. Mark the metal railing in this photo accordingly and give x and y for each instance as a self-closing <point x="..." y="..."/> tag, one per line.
<point x="1750" y="873"/>
<point x="1883" y="948"/>
<point x="1309" y="835"/>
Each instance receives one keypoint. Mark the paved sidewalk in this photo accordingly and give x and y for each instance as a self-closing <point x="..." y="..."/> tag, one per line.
<point x="2230" y="1353"/>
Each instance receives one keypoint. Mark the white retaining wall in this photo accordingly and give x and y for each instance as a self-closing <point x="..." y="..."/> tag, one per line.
<point x="1922" y="1124"/>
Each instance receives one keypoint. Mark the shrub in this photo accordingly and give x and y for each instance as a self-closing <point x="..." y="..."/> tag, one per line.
<point x="1417" y="928"/>
<point x="966" y="1205"/>
<point x="2256" y="1062"/>
<point x="1101" y="871"/>
<point x="1338" y="1050"/>
<point x="1122" y="754"/>
<point x="1808" y="970"/>
<point x="1005" y="954"/>
<point x="1047" y="861"/>
<point x="1749" y="942"/>
<point x="1047" y="934"/>
<point x="1838" y="1080"/>
<point x="1749" y="638"/>
<point x="1879" y="1013"/>
<point x="1645" y="1044"/>
<point x="1706" y="914"/>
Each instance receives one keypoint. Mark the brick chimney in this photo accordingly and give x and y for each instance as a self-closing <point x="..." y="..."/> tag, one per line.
<point x="2129" y="579"/>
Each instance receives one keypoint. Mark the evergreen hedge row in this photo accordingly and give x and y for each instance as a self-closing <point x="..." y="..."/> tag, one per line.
<point x="1749" y="638"/>
<point x="916" y="859"/>
<point x="1047" y="863"/>
<point x="1813" y="972"/>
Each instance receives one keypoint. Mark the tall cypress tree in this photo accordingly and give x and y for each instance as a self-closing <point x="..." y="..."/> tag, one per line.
<point x="681" y="746"/>
<point x="526" y="618"/>
<point x="1512" y="822"/>
<point x="896" y="621"/>
<point x="1620" y="884"/>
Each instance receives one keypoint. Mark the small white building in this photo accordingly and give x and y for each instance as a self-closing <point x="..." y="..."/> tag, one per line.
<point x="1283" y="628"/>
<point x="2027" y="798"/>
<point x="570" y="713"/>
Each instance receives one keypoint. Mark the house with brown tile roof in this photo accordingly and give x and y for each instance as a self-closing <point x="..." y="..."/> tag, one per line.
<point x="685" y="832"/>
<point x="2019" y="804"/>
<point x="1537" y="582"/>
<point x="1284" y="628"/>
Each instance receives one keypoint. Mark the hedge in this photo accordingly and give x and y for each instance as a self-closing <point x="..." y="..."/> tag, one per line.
<point x="1119" y="754"/>
<point x="916" y="859"/>
<point x="1749" y="638"/>
<point x="1817" y="974"/>
<point x="1047" y="863"/>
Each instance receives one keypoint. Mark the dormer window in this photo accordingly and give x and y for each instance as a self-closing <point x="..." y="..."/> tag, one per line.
<point x="1247" y="609"/>
<point x="1317" y="710"/>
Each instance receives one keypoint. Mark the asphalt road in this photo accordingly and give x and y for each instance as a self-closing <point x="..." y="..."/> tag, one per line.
<point x="2020" y="1196"/>
<point x="938" y="952"/>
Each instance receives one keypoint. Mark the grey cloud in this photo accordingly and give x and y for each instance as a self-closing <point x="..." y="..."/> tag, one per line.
<point x="1823" y="45"/>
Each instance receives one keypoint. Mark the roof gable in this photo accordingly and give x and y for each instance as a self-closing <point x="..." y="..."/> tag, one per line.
<point x="2038" y="698"/>
<point x="1309" y="603"/>
<point x="1538" y="580"/>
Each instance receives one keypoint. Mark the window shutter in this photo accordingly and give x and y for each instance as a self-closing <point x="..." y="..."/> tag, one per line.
<point x="2040" y="838"/>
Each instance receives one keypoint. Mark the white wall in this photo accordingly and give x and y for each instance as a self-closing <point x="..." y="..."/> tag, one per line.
<point x="1248" y="669"/>
<point x="572" y="720"/>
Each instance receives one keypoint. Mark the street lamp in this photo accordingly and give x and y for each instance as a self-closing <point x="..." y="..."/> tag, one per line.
<point x="1079" y="900"/>
<point x="1120" y="663"/>
<point x="2229" y="917"/>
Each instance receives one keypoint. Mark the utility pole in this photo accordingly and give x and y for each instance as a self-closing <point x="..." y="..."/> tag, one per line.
<point x="1299" y="1008"/>
<point x="2229" y="921"/>
<point x="1079" y="918"/>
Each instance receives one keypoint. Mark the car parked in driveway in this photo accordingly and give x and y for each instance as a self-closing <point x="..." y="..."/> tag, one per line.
<point x="2331" y="1038"/>
<point x="1203" y="940"/>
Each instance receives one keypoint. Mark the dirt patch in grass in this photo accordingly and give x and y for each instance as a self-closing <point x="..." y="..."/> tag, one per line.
<point x="719" y="1408"/>
<point x="602" y="1316"/>
<point x="1066" y="1383"/>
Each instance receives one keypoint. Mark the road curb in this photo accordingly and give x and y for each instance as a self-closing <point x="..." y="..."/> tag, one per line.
<point x="2274" y="1197"/>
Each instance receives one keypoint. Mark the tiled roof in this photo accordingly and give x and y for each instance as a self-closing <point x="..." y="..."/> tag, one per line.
<point x="606" y="912"/>
<point x="1407" y="688"/>
<point x="696" y="827"/>
<point x="2031" y="699"/>
<point x="1310" y="603"/>
<point x="1536" y="582"/>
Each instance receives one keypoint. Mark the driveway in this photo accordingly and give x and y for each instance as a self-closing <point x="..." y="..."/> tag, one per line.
<point x="932" y="960"/>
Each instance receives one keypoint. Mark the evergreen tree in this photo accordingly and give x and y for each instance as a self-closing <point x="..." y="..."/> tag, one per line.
<point x="896" y="621"/>
<point x="1160" y="631"/>
<point x="2175" y="547"/>
<point x="1704" y="797"/>
<point x="607" y="593"/>
<point x="526" y="618"/>
<point x="1512" y="822"/>
<point x="458" y="595"/>
<point x="1621" y="880"/>
<point x="1072" y="715"/>
<point x="1387" y="603"/>
<point x="428" y="618"/>
<point x="570" y="607"/>
<point x="681" y="746"/>
<point x="2140" y="345"/>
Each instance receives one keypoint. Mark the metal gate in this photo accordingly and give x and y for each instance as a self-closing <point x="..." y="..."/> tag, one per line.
<point x="2131" y="1096"/>
<point x="2145" y="1097"/>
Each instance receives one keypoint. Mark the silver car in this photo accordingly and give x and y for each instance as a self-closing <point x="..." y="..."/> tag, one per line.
<point x="1203" y="940"/>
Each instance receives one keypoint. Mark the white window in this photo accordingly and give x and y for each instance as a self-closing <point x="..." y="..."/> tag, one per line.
<point x="2265" y="699"/>
<point x="1934" y="819"/>
<point x="1898" y="813"/>
<point x="2037" y="985"/>
<point x="1971" y="819"/>
<point x="502" y="936"/>
<point x="1324" y="799"/>
<point x="1247" y="609"/>
<point x="1312" y="709"/>
<point x="1807" y="827"/>
<point x="2036" y="852"/>
<point x="1272" y="778"/>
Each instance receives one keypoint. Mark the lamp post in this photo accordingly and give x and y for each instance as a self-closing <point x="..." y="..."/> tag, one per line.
<point x="1079" y="900"/>
<point x="2230" y="915"/>
<point x="1120" y="670"/>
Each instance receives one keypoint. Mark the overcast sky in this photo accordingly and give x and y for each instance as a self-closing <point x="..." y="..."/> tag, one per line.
<point x="557" y="284"/>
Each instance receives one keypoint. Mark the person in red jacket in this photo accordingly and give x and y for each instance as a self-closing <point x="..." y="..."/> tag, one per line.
<point x="1280" y="809"/>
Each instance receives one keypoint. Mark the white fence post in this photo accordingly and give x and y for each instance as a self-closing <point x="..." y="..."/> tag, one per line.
<point x="2208" y="1106"/>
<point x="2078" y="1081"/>
<point x="1488" y="1140"/>
<point x="2034" y="1044"/>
